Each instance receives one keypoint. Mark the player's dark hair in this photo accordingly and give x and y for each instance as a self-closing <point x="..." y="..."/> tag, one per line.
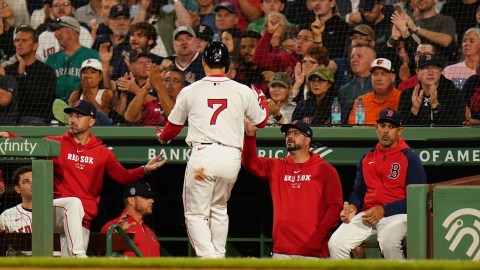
<point x="20" y="171"/>
<point x="146" y="29"/>
<point x="251" y="34"/>
<point x="28" y="29"/>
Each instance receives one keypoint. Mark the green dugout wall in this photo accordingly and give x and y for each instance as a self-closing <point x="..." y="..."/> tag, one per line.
<point x="443" y="151"/>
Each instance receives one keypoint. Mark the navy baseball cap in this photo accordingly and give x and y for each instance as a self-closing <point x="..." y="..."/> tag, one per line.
<point x="82" y="107"/>
<point x="391" y="116"/>
<point x="135" y="54"/>
<point x="427" y="59"/>
<point x="204" y="32"/>
<point x="119" y="10"/>
<point x="300" y="125"/>
<point x="139" y="188"/>
<point x="368" y="4"/>
<point x="227" y="6"/>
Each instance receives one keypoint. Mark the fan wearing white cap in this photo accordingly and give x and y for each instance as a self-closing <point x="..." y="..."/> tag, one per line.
<point x="90" y="88"/>
<point x="383" y="95"/>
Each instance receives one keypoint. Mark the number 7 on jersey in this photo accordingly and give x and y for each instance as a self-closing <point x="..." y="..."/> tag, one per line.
<point x="222" y="106"/>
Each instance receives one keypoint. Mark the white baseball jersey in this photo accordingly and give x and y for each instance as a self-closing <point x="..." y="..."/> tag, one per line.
<point x="215" y="108"/>
<point x="16" y="219"/>
<point x="48" y="43"/>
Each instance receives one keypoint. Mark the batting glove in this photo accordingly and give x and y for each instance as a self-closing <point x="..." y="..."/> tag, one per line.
<point x="159" y="131"/>
<point x="259" y="94"/>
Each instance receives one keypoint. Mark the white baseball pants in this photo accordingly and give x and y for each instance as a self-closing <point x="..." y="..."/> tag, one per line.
<point x="205" y="200"/>
<point x="67" y="221"/>
<point x="390" y="233"/>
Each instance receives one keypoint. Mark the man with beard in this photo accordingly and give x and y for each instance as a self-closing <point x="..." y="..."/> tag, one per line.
<point x="375" y="207"/>
<point x="79" y="172"/>
<point x="186" y="57"/>
<point x="138" y="200"/>
<point x="247" y="72"/>
<point x="306" y="192"/>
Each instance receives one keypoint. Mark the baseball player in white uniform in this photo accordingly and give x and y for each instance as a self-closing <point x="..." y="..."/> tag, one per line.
<point x="215" y="108"/>
<point x="18" y="219"/>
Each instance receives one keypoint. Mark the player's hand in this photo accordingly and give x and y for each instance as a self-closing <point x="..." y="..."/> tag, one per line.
<point x="348" y="212"/>
<point x="373" y="215"/>
<point x="258" y="93"/>
<point x="250" y="129"/>
<point x="154" y="164"/>
<point x="159" y="132"/>
<point x="124" y="222"/>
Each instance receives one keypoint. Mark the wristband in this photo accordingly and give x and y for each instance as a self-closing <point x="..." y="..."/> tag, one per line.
<point x="145" y="171"/>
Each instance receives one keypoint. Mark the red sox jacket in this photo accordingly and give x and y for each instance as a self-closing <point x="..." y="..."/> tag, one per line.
<point x="307" y="200"/>
<point x="79" y="171"/>
<point x="382" y="177"/>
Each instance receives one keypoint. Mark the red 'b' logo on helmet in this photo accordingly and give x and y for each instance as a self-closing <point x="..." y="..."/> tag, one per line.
<point x="389" y="113"/>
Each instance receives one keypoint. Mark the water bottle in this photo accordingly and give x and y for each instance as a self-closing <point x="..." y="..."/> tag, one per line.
<point x="336" y="112"/>
<point x="359" y="112"/>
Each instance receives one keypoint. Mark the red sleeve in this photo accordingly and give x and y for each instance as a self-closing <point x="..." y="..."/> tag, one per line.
<point x="255" y="165"/>
<point x="11" y="135"/>
<point x="263" y="57"/>
<point x="118" y="173"/>
<point x="264" y="105"/>
<point x="170" y="131"/>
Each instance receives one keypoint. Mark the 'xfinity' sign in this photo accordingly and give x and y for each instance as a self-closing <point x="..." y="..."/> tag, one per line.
<point x="17" y="147"/>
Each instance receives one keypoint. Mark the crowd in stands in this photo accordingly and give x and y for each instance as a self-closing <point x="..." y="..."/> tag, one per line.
<point x="131" y="58"/>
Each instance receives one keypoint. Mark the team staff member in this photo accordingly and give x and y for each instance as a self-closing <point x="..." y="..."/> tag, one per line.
<point x="378" y="202"/>
<point x="78" y="174"/>
<point x="215" y="107"/>
<point x="138" y="200"/>
<point x="306" y="192"/>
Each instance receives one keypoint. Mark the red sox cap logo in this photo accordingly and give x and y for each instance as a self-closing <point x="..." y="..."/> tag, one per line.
<point x="389" y="113"/>
<point x="379" y="62"/>
<point x="77" y="103"/>
<point x="428" y="57"/>
<point x="133" y="191"/>
<point x="119" y="7"/>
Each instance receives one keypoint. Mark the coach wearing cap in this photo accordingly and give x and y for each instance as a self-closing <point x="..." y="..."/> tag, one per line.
<point x="378" y="202"/>
<point x="435" y="100"/>
<point x="138" y="200"/>
<point x="306" y="192"/>
<point x="384" y="94"/>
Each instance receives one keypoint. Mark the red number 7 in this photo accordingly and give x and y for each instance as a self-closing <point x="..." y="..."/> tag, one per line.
<point x="223" y="106"/>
